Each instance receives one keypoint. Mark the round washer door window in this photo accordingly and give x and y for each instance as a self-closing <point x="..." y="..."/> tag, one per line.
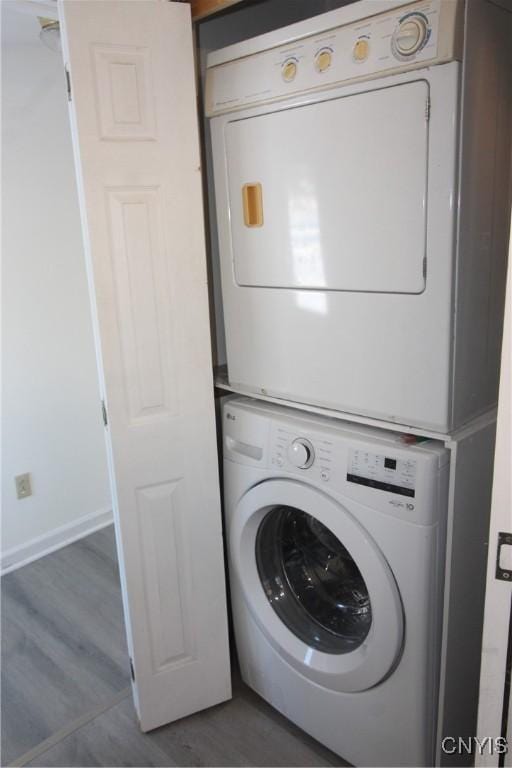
<point x="312" y="581"/>
<point x="316" y="584"/>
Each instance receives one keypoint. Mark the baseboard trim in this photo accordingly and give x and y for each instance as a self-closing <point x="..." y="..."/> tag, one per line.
<point x="60" y="537"/>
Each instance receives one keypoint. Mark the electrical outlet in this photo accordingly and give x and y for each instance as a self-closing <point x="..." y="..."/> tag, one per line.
<point x="23" y="485"/>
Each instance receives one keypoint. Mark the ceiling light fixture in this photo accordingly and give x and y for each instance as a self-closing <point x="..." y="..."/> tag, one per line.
<point x="50" y="34"/>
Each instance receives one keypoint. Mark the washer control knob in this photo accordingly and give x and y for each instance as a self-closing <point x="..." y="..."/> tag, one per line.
<point x="410" y="35"/>
<point x="301" y="453"/>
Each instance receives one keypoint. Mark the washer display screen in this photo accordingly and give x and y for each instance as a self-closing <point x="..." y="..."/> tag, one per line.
<point x="311" y="581"/>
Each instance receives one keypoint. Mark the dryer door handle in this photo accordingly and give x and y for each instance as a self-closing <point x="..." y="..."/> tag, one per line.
<point x="252" y="201"/>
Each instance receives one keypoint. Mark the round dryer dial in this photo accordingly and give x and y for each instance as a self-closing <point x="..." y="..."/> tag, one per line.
<point x="323" y="60"/>
<point x="411" y="35"/>
<point x="301" y="453"/>
<point x="361" y="49"/>
<point x="289" y="70"/>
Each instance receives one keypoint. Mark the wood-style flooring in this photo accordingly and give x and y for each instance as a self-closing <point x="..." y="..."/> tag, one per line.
<point x="66" y="698"/>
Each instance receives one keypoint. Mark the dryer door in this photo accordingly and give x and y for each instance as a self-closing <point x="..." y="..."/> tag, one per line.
<point x="317" y="585"/>
<point x="332" y="195"/>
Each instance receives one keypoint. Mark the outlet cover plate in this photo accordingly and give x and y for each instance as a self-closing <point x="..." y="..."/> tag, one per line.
<point x="23" y="485"/>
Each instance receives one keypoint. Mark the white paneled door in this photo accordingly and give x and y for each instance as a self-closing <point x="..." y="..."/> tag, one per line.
<point x="134" y="122"/>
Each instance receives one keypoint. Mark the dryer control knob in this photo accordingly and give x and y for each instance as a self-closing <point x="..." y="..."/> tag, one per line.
<point x="411" y="35"/>
<point x="323" y="60"/>
<point x="301" y="453"/>
<point x="289" y="70"/>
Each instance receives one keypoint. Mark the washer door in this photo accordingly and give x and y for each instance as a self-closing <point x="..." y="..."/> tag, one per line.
<point x="317" y="585"/>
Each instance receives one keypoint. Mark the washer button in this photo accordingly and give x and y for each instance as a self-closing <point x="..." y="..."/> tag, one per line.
<point x="361" y="50"/>
<point x="279" y="461"/>
<point x="325" y="475"/>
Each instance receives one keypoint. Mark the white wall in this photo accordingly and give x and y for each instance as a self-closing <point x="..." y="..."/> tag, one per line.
<point x="51" y="423"/>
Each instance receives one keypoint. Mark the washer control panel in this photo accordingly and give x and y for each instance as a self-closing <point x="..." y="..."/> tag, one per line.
<point x="403" y="38"/>
<point x="389" y="472"/>
<point x="386" y="473"/>
<point x="381" y="471"/>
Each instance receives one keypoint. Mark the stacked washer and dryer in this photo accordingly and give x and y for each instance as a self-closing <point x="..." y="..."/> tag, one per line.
<point x="361" y="206"/>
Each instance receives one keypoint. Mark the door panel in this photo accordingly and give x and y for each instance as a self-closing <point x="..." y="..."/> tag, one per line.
<point x="134" y="124"/>
<point x="352" y="219"/>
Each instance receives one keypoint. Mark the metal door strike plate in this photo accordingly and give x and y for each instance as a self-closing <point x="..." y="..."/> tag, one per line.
<point x="504" y="574"/>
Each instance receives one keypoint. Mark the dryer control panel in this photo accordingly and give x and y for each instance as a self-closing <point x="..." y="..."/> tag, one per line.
<point x="407" y="37"/>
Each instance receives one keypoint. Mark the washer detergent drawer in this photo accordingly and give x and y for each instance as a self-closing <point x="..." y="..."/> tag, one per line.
<point x="332" y="195"/>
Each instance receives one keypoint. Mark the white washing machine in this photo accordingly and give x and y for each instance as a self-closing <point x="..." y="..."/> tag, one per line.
<point x="336" y="555"/>
<point x="362" y="258"/>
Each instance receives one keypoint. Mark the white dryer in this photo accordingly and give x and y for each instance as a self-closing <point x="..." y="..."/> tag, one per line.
<point x="357" y="274"/>
<point x="336" y="537"/>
